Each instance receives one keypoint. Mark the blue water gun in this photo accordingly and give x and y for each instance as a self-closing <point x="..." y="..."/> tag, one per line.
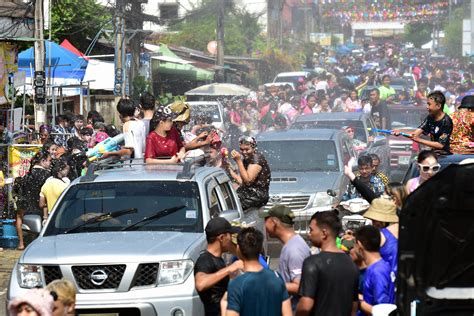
<point x="107" y="145"/>
<point x="386" y="131"/>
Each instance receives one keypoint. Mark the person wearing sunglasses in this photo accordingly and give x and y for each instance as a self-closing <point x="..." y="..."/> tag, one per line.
<point x="428" y="166"/>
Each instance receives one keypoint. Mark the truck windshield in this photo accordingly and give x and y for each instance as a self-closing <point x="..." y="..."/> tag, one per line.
<point x="360" y="132"/>
<point x="299" y="156"/>
<point x="85" y="201"/>
<point x="409" y="117"/>
<point x="210" y="110"/>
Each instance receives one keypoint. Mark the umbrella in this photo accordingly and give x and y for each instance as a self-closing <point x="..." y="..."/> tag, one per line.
<point x="216" y="89"/>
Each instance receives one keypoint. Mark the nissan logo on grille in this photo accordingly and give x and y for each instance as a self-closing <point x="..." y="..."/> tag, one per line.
<point x="275" y="199"/>
<point x="98" y="277"/>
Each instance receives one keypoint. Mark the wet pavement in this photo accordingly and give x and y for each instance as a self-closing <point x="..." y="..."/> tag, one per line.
<point x="8" y="258"/>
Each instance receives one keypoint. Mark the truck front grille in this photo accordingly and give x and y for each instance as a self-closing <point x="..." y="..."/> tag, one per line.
<point x="98" y="277"/>
<point x="294" y="202"/>
<point x="52" y="273"/>
<point x="146" y="274"/>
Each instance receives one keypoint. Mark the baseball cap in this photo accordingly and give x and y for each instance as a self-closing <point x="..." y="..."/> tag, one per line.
<point x="219" y="225"/>
<point x="282" y="212"/>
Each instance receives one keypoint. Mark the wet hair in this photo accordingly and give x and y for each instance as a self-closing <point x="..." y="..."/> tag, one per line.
<point x="364" y="160"/>
<point x="78" y="117"/>
<point x="376" y="90"/>
<point x="438" y="97"/>
<point x="111" y="130"/>
<point x="397" y="191"/>
<point x="40" y="156"/>
<point x="328" y="220"/>
<point x="250" y="243"/>
<point x="374" y="157"/>
<point x="426" y="154"/>
<point x="48" y="144"/>
<point x="94" y="116"/>
<point x="147" y="101"/>
<point x="57" y="166"/>
<point x="86" y="131"/>
<point x="385" y="76"/>
<point x="369" y="237"/>
<point x="126" y="107"/>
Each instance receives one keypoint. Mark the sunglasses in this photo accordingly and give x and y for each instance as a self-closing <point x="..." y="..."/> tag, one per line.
<point x="426" y="168"/>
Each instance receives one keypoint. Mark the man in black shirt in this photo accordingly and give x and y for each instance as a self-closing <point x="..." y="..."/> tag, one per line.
<point x="379" y="110"/>
<point x="437" y="124"/>
<point x="211" y="275"/>
<point x="329" y="280"/>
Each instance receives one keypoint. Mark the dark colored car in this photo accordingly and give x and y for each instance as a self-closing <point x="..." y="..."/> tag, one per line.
<point x="436" y="245"/>
<point x="361" y="123"/>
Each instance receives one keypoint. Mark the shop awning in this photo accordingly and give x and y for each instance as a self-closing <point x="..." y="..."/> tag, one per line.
<point x="170" y="64"/>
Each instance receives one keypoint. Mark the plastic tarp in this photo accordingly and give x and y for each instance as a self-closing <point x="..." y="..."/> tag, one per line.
<point x="64" y="64"/>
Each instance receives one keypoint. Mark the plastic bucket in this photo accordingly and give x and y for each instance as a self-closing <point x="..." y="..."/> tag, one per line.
<point x="9" y="229"/>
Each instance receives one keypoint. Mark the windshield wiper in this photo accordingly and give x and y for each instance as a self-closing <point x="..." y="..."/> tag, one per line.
<point x="102" y="218"/>
<point x="159" y="214"/>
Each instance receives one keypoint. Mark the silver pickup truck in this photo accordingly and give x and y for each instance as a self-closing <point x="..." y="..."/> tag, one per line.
<point x="128" y="237"/>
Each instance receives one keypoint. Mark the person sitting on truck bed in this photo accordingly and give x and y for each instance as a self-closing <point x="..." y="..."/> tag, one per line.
<point x="462" y="137"/>
<point x="437" y="124"/>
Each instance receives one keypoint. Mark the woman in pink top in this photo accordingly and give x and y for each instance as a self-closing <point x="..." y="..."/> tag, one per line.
<point x="353" y="103"/>
<point x="428" y="166"/>
<point x="310" y="107"/>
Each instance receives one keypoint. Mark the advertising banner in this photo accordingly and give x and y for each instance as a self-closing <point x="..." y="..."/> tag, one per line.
<point x="20" y="158"/>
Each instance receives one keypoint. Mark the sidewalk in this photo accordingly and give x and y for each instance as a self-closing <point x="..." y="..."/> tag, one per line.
<point x="8" y="258"/>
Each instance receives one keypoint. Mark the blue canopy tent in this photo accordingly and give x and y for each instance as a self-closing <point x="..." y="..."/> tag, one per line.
<point x="64" y="64"/>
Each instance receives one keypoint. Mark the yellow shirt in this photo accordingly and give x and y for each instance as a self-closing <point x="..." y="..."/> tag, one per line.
<point x="51" y="190"/>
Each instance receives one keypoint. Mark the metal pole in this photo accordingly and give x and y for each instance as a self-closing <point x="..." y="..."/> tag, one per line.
<point x="61" y="99"/>
<point x="40" y="107"/>
<point x="24" y="107"/>
<point x="53" y="105"/>
<point x="81" y="101"/>
<point x="220" y="39"/>
<point x="88" y="108"/>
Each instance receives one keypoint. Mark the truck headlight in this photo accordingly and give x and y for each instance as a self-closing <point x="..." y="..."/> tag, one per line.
<point x="29" y="276"/>
<point x="174" y="272"/>
<point x="322" y="199"/>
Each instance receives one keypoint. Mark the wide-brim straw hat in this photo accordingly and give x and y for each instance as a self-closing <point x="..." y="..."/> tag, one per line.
<point x="382" y="210"/>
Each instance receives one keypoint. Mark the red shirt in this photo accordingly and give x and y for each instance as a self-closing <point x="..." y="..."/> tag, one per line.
<point x="158" y="146"/>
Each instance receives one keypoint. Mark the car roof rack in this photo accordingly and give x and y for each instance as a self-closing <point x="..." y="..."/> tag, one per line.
<point x="189" y="165"/>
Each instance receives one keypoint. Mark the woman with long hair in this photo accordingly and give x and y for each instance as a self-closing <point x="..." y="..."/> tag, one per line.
<point x="29" y="188"/>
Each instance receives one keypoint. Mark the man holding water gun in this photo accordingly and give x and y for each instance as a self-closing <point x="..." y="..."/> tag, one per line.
<point x="437" y="124"/>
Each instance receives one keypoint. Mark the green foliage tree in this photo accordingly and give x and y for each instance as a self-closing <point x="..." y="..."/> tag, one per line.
<point x="199" y="28"/>
<point x="452" y="40"/>
<point x="418" y="33"/>
<point x="78" y="21"/>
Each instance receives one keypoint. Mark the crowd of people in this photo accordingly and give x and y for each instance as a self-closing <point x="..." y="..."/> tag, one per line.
<point x="340" y="272"/>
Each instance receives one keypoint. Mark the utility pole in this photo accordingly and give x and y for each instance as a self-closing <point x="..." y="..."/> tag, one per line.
<point x="220" y="40"/>
<point x="119" y="88"/>
<point x="472" y="28"/>
<point x="39" y="80"/>
<point x="135" y="22"/>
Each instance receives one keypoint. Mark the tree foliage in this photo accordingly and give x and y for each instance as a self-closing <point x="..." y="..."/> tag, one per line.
<point x="418" y="33"/>
<point x="78" y="21"/>
<point x="453" y="34"/>
<point x="198" y="28"/>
